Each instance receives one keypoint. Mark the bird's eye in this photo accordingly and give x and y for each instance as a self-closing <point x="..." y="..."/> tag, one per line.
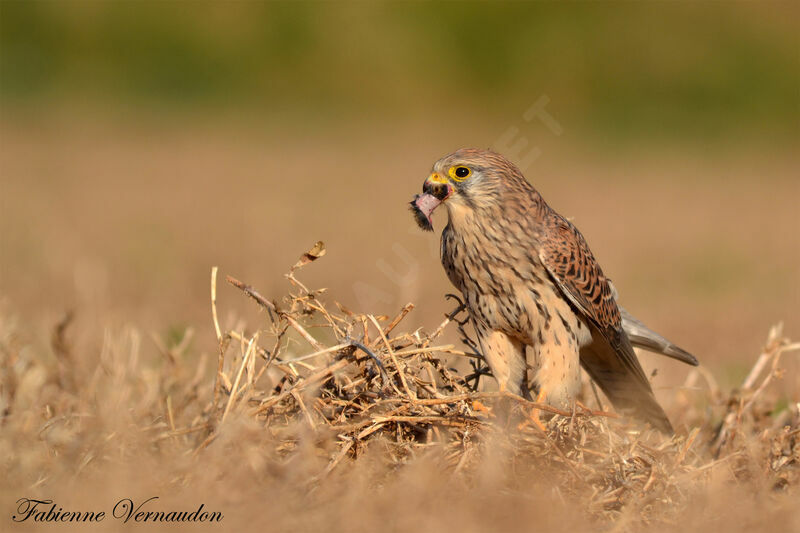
<point x="460" y="173"/>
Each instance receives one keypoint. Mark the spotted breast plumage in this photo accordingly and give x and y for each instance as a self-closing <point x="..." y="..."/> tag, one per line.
<point x="528" y="278"/>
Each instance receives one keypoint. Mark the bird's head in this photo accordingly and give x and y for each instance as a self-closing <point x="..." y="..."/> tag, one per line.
<point x="466" y="179"/>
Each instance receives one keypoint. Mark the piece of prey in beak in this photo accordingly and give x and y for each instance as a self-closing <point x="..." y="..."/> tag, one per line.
<point x="435" y="190"/>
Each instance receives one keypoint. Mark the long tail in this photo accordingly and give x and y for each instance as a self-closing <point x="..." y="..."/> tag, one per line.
<point x="643" y="337"/>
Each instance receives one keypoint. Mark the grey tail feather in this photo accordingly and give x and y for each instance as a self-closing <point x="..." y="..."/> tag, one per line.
<point x="643" y="337"/>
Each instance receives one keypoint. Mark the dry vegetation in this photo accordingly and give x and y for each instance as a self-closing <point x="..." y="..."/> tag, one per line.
<point x="141" y="143"/>
<point x="324" y="419"/>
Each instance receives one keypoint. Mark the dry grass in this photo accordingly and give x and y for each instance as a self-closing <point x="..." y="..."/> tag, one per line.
<point x="323" y="419"/>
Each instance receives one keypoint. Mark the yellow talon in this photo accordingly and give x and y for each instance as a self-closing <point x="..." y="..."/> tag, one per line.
<point x="534" y="416"/>
<point x="481" y="409"/>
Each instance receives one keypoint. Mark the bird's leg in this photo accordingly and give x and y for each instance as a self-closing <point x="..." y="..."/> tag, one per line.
<point x="535" y="411"/>
<point x="506" y="359"/>
<point x="534" y="414"/>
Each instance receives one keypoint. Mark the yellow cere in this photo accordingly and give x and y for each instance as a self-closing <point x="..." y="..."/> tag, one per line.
<point x="436" y="178"/>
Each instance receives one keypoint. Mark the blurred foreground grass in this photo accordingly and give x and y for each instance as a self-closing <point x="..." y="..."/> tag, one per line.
<point x="299" y="428"/>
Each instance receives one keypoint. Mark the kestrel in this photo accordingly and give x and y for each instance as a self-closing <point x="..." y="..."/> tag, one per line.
<point x="528" y="278"/>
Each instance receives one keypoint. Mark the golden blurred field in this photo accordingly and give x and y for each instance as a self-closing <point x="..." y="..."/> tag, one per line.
<point x="140" y="146"/>
<point x="123" y="223"/>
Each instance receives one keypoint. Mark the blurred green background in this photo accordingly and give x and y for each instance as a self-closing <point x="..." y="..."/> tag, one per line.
<point x="621" y="70"/>
<point x="142" y="142"/>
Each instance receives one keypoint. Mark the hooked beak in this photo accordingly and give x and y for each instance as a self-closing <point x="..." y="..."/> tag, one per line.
<point x="435" y="190"/>
<point x="437" y="186"/>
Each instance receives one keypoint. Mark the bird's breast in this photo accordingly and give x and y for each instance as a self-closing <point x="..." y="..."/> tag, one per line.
<point x="503" y="282"/>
